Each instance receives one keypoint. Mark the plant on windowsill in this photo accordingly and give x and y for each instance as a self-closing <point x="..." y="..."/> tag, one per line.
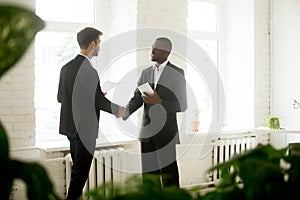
<point x="273" y="122"/>
<point x="18" y="28"/>
<point x="296" y="104"/>
<point x="196" y="120"/>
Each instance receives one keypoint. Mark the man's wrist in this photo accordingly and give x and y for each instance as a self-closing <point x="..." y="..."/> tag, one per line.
<point x="160" y="102"/>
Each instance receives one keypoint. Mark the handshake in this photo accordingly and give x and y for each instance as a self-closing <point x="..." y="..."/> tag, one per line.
<point x="152" y="98"/>
<point x="122" y="112"/>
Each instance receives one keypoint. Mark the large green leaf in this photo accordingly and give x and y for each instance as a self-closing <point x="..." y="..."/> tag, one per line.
<point x="6" y="178"/>
<point x="18" y="28"/>
<point x="38" y="185"/>
<point x="262" y="152"/>
<point x="4" y="144"/>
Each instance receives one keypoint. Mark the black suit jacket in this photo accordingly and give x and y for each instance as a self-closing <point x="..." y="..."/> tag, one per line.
<point x="81" y="99"/>
<point x="159" y="122"/>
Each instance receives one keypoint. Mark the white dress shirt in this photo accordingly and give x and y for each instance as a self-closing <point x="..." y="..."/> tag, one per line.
<point x="87" y="59"/>
<point x="158" y="69"/>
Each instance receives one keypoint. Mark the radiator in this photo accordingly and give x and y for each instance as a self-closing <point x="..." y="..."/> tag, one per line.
<point x="226" y="148"/>
<point x="106" y="168"/>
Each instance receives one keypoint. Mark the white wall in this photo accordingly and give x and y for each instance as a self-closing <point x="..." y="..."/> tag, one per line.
<point x="238" y="68"/>
<point x="262" y="74"/>
<point x="286" y="61"/>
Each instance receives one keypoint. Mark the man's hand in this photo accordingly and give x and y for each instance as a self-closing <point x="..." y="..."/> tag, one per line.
<point x="152" y="98"/>
<point x="122" y="112"/>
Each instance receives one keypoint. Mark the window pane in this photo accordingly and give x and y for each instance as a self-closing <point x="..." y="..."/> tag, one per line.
<point x="201" y="93"/>
<point x="52" y="51"/>
<point x="211" y="48"/>
<point x="198" y="85"/>
<point x="77" y="11"/>
<point x="201" y="16"/>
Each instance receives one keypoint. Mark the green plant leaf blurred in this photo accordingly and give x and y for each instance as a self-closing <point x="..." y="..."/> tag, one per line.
<point x="18" y="28"/>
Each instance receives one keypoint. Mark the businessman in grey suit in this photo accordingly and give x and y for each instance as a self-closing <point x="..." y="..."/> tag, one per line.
<point x="81" y="100"/>
<point x="159" y="131"/>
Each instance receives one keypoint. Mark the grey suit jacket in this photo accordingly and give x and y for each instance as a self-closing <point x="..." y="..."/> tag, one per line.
<point x="81" y="100"/>
<point x="159" y="122"/>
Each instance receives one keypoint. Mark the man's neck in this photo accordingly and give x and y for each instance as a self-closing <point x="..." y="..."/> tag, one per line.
<point x="86" y="53"/>
<point x="157" y="64"/>
<point x="160" y="62"/>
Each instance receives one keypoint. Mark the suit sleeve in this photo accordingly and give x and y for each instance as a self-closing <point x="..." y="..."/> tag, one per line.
<point x="59" y="93"/>
<point x="135" y="102"/>
<point x="179" y="102"/>
<point x="102" y="103"/>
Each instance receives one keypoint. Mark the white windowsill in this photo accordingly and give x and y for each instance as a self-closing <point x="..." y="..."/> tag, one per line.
<point x="63" y="144"/>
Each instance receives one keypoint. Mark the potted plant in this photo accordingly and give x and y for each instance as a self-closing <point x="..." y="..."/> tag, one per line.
<point x="196" y="120"/>
<point x="273" y="122"/>
<point x="296" y="104"/>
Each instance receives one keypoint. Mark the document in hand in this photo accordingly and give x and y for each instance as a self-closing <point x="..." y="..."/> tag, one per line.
<point x="145" y="88"/>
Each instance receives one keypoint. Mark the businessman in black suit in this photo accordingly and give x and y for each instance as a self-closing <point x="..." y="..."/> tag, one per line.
<point x="81" y="100"/>
<point x="159" y="131"/>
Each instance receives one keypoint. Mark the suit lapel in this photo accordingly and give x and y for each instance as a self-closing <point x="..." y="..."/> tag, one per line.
<point x="163" y="78"/>
<point x="151" y="78"/>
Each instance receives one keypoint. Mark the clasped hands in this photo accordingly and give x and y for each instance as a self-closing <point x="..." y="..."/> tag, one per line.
<point x="147" y="98"/>
<point x="122" y="112"/>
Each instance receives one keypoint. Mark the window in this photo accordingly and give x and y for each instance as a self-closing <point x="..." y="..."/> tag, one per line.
<point x="57" y="44"/>
<point x="54" y="46"/>
<point x="202" y="16"/>
<point x="225" y="30"/>
<point x="203" y="30"/>
<point x="60" y="11"/>
<point x="52" y="50"/>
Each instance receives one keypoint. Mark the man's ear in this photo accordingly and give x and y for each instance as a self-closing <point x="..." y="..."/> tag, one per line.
<point x="166" y="54"/>
<point x="93" y="44"/>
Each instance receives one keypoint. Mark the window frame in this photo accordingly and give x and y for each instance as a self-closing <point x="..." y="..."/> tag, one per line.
<point x="217" y="36"/>
<point x="69" y="27"/>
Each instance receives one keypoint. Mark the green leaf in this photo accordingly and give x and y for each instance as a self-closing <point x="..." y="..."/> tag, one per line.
<point x="18" y="28"/>
<point x="4" y="144"/>
<point x="263" y="152"/>
<point x="257" y="173"/>
<point x="6" y="178"/>
<point x="36" y="178"/>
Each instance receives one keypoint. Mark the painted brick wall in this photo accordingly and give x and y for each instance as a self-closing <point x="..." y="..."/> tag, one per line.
<point x="166" y="14"/>
<point x="16" y="102"/>
<point x="262" y="71"/>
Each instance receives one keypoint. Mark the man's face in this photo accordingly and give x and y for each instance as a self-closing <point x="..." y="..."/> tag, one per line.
<point x="97" y="47"/>
<point x="158" y="54"/>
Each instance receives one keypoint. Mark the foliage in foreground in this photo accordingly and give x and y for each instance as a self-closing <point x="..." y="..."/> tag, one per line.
<point x="18" y="28"/>
<point x="262" y="173"/>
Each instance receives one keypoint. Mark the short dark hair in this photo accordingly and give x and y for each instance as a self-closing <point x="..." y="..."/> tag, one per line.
<point x="167" y="44"/>
<point x="86" y="36"/>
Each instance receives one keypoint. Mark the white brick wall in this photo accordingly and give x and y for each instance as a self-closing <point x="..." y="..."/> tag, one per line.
<point x="285" y="61"/>
<point x="167" y="14"/>
<point x="121" y="16"/>
<point x="262" y="73"/>
<point x="17" y="111"/>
